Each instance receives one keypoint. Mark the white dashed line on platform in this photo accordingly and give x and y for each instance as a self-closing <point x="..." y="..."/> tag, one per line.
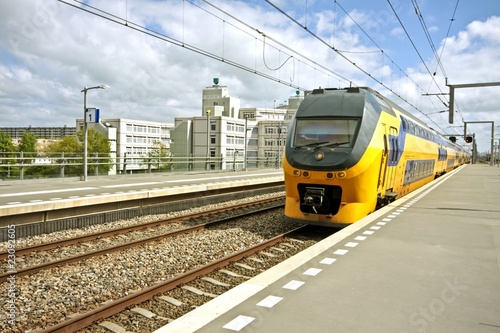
<point x="312" y="271"/>
<point x="269" y="301"/>
<point x="293" y="285"/>
<point x="238" y="323"/>
<point x="328" y="261"/>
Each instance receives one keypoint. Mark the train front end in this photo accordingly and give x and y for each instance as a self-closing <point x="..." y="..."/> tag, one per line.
<point x="331" y="166"/>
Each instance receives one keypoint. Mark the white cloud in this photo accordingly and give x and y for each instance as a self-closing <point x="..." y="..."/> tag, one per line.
<point x="49" y="51"/>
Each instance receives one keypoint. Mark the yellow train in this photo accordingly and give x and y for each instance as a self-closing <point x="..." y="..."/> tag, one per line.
<point x="350" y="151"/>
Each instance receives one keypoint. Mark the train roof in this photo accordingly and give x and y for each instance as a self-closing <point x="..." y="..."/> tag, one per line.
<point x="383" y="101"/>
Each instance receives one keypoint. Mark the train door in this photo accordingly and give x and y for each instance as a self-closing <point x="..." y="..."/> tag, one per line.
<point x="383" y="165"/>
<point x="388" y="164"/>
<point x="393" y="158"/>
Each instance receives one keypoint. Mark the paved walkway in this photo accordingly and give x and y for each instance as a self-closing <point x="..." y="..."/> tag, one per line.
<point x="429" y="262"/>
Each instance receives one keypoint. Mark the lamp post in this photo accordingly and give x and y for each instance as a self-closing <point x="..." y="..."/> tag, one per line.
<point x="85" y="133"/>
<point x="279" y="143"/>
<point x="245" y="149"/>
<point x="208" y="140"/>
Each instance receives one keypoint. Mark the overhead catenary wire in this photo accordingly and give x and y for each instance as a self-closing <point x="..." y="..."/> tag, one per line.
<point x="427" y="34"/>
<point x="292" y="54"/>
<point x="274" y="40"/>
<point x="439" y="63"/>
<point x="414" y="46"/>
<point x="448" y="32"/>
<point x="354" y="63"/>
<point x="155" y="34"/>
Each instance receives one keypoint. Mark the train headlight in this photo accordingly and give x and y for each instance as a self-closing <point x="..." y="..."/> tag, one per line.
<point x="341" y="175"/>
<point x="330" y="175"/>
<point x="319" y="156"/>
<point x="296" y="173"/>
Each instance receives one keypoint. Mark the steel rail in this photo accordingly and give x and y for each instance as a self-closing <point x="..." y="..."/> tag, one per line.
<point x="105" y="311"/>
<point x="68" y="260"/>
<point x="125" y="230"/>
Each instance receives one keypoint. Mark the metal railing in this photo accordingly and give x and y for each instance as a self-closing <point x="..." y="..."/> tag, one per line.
<point x="21" y="166"/>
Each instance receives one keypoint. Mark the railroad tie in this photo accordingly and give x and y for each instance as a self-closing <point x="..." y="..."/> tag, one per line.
<point x="245" y="266"/>
<point x="277" y="249"/>
<point x="267" y="254"/>
<point x="113" y="327"/>
<point x="256" y="260"/>
<point x="215" y="282"/>
<point x="198" y="291"/>
<point x="170" y="300"/>
<point x="143" y="312"/>
<point x="148" y="314"/>
<point x="233" y="274"/>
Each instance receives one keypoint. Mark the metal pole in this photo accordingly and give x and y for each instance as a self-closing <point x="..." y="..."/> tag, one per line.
<point x="245" y="152"/>
<point x="85" y="134"/>
<point x="208" y="139"/>
<point x="279" y="144"/>
<point x="492" y="162"/>
<point x="498" y="153"/>
<point x="84" y="91"/>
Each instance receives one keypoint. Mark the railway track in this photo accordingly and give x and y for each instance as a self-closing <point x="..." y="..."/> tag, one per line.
<point x="64" y="290"/>
<point x="217" y="216"/>
<point x="134" y="300"/>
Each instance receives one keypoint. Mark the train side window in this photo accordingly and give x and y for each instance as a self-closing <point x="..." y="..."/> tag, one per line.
<point x="396" y="149"/>
<point x="405" y="124"/>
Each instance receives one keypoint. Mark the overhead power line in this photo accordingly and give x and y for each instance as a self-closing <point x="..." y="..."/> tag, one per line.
<point x="354" y="63"/>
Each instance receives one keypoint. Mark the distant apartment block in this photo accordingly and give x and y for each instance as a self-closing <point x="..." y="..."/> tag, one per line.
<point x="223" y="136"/>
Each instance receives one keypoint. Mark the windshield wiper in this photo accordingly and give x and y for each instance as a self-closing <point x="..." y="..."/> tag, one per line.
<point x="331" y="144"/>
<point x="312" y="144"/>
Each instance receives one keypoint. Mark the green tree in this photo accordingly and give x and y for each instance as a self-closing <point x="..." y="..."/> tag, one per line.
<point x="158" y="156"/>
<point x="72" y="148"/>
<point x="6" y="144"/>
<point x="28" y="148"/>
<point x="28" y="143"/>
<point x="6" y="153"/>
<point x="97" y="145"/>
<point x="68" y="144"/>
<point x="69" y="150"/>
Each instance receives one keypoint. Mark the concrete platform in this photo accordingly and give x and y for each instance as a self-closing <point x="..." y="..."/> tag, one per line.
<point x="429" y="262"/>
<point x="32" y="193"/>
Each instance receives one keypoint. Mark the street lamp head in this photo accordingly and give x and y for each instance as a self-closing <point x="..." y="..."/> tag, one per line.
<point x="102" y="86"/>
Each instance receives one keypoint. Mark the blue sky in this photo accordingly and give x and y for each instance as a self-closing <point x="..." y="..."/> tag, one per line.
<point x="50" y="50"/>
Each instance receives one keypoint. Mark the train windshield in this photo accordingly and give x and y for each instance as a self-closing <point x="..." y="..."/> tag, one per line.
<point x="325" y="132"/>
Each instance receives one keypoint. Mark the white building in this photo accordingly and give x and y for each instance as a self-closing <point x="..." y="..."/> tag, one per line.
<point x="224" y="134"/>
<point x="131" y="140"/>
<point x="218" y="139"/>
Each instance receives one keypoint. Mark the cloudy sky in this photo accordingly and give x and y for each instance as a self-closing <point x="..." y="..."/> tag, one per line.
<point x="158" y="55"/>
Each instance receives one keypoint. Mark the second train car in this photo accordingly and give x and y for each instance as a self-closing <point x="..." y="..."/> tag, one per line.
<point x="350" y="151"/>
